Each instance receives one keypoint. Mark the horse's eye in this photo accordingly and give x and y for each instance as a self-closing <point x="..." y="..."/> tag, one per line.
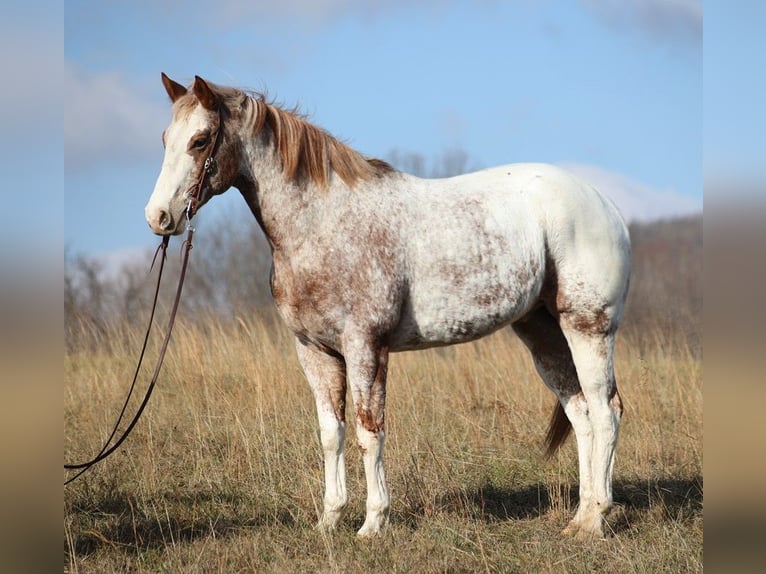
<point x="201" y="142"/>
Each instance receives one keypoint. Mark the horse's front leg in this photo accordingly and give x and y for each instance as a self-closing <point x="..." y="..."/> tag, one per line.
<point x="367" y="366"/>
<point x="326" y="375"/>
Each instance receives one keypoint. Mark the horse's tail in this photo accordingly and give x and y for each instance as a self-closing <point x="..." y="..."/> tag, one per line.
<point x="558" y="430"/>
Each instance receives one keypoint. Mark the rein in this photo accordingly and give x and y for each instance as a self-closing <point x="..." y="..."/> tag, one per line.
<point x="195" y="198"/>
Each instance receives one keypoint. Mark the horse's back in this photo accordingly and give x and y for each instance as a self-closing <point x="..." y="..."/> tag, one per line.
<point x="547" y="207"/>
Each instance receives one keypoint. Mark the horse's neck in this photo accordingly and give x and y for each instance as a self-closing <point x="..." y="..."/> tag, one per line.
<point x="283" y="209"/>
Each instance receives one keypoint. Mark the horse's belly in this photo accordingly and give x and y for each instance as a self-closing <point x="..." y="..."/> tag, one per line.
<point x="457" y="316"/>
<point x="411" y="335"/>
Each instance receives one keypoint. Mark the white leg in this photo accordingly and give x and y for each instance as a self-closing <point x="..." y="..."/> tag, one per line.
<point x="542" y="334"/>
<point x="367" y="368"/>
<point x="326" y="376"/>
<point x="577" y="411"/>
<point x="333" y="434"/>
<point x="578" y="367"/>
<point x="378" y="501"/>
<point x="593" y="358"/>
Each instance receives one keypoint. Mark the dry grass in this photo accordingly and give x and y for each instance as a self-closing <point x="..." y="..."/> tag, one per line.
<point x="223" y="473"/>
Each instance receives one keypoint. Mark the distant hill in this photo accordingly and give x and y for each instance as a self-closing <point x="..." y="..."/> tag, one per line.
<point x="666" y="281"/>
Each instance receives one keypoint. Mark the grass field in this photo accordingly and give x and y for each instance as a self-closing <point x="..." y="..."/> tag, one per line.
<point x="223" y="473"/>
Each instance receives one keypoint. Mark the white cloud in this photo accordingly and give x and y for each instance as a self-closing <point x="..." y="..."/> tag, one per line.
<point x="637" y="201"/>
<point x="311" y="13"/>
<point x="664" y="19"/>
<point x="108" y="119"/>
<point x="675" y="21"/>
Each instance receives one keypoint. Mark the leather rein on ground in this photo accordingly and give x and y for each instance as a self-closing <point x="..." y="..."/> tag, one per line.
<point x="195" y="199"/>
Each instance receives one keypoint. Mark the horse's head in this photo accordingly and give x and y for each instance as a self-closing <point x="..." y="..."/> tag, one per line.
<point x="196" y="134"/>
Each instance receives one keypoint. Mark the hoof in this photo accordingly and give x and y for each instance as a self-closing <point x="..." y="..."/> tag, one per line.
<point x="324" y="528"/>
<point x="329" y="521"/>
<point x="571" y="530"/>
<point x="367" y="533"/>
<point x="372" y="529"/>
<point x="375" y="522"/>
<point x="584" y="532"/>
<point x="584" y="535"/>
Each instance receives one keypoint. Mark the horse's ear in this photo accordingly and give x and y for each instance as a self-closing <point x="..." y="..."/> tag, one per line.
<point x="174" y="89"/>
<point x="204" y="94"/>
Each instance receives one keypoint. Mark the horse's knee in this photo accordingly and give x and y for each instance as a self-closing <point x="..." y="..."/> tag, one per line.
<point x="332" y="431"/>
<point x="333" y="439"/>
<point x="370" y="442"/>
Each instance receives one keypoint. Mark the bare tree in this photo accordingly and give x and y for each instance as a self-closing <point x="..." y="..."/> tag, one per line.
<point x="453" y="161"/>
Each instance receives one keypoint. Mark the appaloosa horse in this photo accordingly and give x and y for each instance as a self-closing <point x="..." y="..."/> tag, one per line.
<point x="368" y="260"/>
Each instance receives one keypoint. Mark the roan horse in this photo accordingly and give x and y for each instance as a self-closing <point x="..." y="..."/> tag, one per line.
<point x="368" y="260"/>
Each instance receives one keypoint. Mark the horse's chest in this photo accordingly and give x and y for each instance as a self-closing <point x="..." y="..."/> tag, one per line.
<point x="317" y="302"/>
<point x="307" y="303"/>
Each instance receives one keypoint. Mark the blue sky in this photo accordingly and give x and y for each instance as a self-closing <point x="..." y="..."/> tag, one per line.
<point x="734" y="88"/>
<point x="611" y="89"/>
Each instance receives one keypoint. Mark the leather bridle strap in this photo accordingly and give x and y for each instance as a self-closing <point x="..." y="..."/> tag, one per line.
<point x="104" y="452"/>
<point x="194" y="201"/>
<point x="195" y="198"/>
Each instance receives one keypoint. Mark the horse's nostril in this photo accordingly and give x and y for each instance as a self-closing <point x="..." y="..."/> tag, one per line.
<point x="164" y="219"/>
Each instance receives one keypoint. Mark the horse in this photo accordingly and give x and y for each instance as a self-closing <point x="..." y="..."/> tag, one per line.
<point x="368" y="260"/>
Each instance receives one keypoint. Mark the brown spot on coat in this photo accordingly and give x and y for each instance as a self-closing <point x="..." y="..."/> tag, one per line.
<point x="337" y="392"/>
<point x="595" y="322"/>
<point x="371" y="413"/>
<point x="366" y="420"/>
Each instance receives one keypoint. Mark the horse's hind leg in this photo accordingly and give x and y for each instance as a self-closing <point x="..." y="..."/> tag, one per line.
<point x="542" y="335"/>
<point x="591" y="343"/>
<point x="326" y="375"/>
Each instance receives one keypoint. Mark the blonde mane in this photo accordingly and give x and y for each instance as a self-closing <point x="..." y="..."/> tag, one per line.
<point x="310" y="153"/>
<point x="307" y="152"/>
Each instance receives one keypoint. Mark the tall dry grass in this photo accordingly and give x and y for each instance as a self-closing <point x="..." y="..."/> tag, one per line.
<point x="224" y="473"/>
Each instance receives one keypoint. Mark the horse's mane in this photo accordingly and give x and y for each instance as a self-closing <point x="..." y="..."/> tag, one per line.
<point x="307" y="152"/>
<point x="310" y="153"/>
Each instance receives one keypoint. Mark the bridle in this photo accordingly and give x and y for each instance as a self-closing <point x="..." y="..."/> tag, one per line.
<point x="208" y="166"/>
<point x="195" y="199"/>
